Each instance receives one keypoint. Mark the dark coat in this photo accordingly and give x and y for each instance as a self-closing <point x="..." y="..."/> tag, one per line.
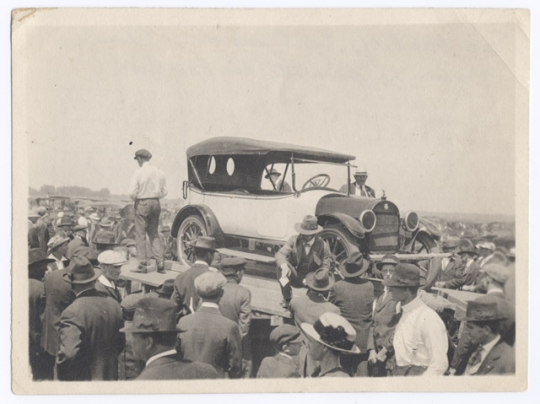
<point x="170" y="248"/>
<point x="58" y="296"/>
<point x="501" y="360"/>
<point x="384" y="322"/>
<point x="211" y="338"/>
<point x="467" y="276"/>
<point x="308" y="308"/>
<point x="354" y="297"/>
<point x="173" y="368"/>
<point x="293" y="252"/>
<point x="73" y="244"/>
<point x="352" y="187"/>
<point x="36" y="306"/>
<point x="185" y="295"/>
<point x="107" y="291"/>
<point x="235" y="304"/>
<point x="90" y="340"/>
<point x="278" y="367"/>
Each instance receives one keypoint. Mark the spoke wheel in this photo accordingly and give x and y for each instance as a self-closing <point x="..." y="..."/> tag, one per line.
<point x="342" y="244"/>
<point x="423" y="244"/>
<point x="190" y="230"/>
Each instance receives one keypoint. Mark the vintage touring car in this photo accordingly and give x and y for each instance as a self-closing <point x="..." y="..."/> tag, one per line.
<point x="230" y="196"/>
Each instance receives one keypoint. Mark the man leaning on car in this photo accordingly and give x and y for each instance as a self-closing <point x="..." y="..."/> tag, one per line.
<point x="302" y="254"/>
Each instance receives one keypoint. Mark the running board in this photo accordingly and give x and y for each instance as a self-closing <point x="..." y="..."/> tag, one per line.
<point x="248" y="256"/>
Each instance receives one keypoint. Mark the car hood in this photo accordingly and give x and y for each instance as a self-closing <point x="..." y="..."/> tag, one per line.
<point x="350" y="205"/>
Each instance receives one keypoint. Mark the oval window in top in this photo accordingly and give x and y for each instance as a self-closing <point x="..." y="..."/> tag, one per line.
<point x="230" y="166"/>
<point x="212" y="166"/>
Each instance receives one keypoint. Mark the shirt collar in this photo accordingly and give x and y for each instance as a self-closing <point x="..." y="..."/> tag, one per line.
<point x="310" y="242"/>
<point x="495" y="290"/>
<point x="210" y="304"/>
<point x="489" y="346"/>
<point x="105" y="282"/>
<point x="413" y="304"/>
<point x="146" y="163"/>
<point x="161" y="355"/>
<point x="285" y="355"/>
<point x="201" y="263"/>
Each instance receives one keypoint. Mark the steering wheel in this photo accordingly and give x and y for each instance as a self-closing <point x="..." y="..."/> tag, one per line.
<point x="319" y="181"/>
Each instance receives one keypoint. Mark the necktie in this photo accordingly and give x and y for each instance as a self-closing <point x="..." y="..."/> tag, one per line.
<point x="475" y="359"/>
<point x="363" y="192"/>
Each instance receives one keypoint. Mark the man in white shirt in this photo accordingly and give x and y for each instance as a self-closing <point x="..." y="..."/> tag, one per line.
<point x="420" y="339"/>
<point x="146" y="188"/>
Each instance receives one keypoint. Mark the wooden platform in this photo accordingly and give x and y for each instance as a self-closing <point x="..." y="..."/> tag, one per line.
<point x="458" y="298"/>
<point x="265" y="294"/>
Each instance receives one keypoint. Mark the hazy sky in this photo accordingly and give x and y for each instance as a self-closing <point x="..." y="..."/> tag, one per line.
<point x="429" y="109"/>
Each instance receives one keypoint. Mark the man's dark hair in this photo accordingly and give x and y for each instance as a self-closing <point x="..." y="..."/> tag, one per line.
<point x="200" y="253"/>
<point x="165" y="338"/>
<point x="37" y="270"/>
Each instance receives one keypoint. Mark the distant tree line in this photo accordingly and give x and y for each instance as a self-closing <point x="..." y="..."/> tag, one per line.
<point x="69" y="191"/>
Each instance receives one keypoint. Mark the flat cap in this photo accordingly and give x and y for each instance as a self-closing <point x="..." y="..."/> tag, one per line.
<point x="285" y="334"/>
<point x="105" y="237"/>
<point x="110" y="257"/>
<point x="143" y="153"/>
<point x="210" y="284"/>
<point x="56" y="241"/>
<point x="232" y="265"/>
<point x="130" y="301"/>
<point x="498" y="272"/>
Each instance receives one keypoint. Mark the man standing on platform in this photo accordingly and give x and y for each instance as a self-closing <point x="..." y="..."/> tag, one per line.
<point x="146" y="188"/>
<point x="302" y="254"/>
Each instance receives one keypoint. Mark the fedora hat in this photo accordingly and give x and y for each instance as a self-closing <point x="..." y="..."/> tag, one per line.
<point x="483" y="310"/>
<point x="404" y="276"/>
<point x="105" y="222"/>
<point x="105" y="238"/>
<point x="333" y="331"/>
<point x="166" y="289"/>
<point x="273" y="171"/>
<point x="57" y="241"/>
<point x="81" y="271"/>
<point x="65" y="221"/>
<point x="153" y="315"/>
<point x="143" y="153"/>
<point x="320" y="280"/>
<point x="466" y="247"/>
<point x="450" y="243"/>
<point x="308" y="226"/>
<point x="354" y="266"/>
<point x="204" y="243"/>
<point x="36" y="255"/>
<point x="498" y="272"/>
<point x="86" y="252"/>
<point x="388" y="259"/>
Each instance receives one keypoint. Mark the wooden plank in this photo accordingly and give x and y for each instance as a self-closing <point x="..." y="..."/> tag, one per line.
<point x="411" y="257"/>
<point x="248" y="256"/>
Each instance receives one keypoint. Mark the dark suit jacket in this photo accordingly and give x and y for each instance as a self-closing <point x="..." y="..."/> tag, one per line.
<point x="352" y="187"/>
<point x="107" y="291"/>
<point x="211" y="338"/>
<point x="384" y="322"/>
<point x="501" y="360"/>
<point x="58" y="296"/>
<point x="173" y="368"/>
<point x="354" y="297"/>
<point x="235" y="304"/>
<point x="293" y="252"/>
<point x="308" y="308"/>
<point x="90" y="340"/>
<point x="278" y="367"/>
<point x="467" y="276"/>
<point x="185" y="295"/>
<point x="36" y="308"/>
<point x="73" y="244"/>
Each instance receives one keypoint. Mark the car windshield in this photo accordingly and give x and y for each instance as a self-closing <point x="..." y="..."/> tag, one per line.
<point x="307" y="176"/>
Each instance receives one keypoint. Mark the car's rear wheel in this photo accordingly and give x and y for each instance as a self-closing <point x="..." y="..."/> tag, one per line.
<point x="342" y="243"/>
<point x="190" y="230"/>
<point x="423" y="244"/>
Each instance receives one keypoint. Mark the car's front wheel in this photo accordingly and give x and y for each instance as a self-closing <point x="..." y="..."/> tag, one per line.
<point x="190" y="230"/>
<point x="342" y="243"/>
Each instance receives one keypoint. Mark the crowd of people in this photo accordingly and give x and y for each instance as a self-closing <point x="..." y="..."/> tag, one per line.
<point x="84" y="324"/>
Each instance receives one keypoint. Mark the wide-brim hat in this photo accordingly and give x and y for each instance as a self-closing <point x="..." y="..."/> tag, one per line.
<point x="166" y="289"/>
<point x="308" y="226"/>
<point x="272" y="172"/>
<point x="320" y="280"/>
<point x="467" y="250"/>
<point x="65" y="221"/>
<point x="57" y="241"/>
<point x="404" y="276"/>
<point x="36" y="255"/>
<point x="204" y="243"/>
<point x="105" y="222"/>
<point x="153" y="315"/>
<point x="81" y="271"/>
<point x="388" y="259"/>
<point x="353" y="266"/>
<point x="333" y="331"/>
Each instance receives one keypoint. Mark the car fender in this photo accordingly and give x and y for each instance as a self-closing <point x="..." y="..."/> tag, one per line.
<point x="212" y="225"/>
<point x="350" y="223"/>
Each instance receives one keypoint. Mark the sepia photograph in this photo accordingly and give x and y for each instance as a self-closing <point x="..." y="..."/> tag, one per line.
<point x="269" y="198"/>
